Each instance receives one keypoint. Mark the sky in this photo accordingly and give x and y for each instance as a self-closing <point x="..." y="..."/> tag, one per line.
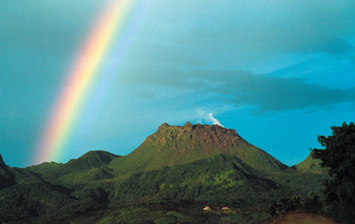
<point x="278" y="72"/>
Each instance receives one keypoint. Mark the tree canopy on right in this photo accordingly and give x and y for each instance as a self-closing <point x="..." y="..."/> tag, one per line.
<point x="339" y="157"/>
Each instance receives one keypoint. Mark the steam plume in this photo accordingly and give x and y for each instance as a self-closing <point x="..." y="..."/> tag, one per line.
<point x="208" y="118"/>
<point x="214" y="120"/>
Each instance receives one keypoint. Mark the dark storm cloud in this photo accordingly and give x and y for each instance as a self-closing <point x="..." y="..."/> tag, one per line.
<point x="278" y="94"/>
<point x="266" y="93"/>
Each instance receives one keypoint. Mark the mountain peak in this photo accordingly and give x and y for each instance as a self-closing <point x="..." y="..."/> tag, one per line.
<point x="2" y="163"/>
<point x="209" y="134"/>
<point x="165" y="125"/>
<point x="188" y="124"/>
<point x="174" y="145"/>
<point x="6" y="177"/>
<point x="91" y="159"/>
<point x="4" y="170"/>
<point x="194" y="127"/>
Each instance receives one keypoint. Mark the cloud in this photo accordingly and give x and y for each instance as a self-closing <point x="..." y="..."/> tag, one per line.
<point x="235" y="34"/>
<point x="268" y="93"/>
<point x="280" y="94"/>
<point x="263" y="92"/>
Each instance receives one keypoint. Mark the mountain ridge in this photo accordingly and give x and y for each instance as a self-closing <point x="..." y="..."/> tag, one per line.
<point x="176" y="145"/>
<point x="177" y="165"/>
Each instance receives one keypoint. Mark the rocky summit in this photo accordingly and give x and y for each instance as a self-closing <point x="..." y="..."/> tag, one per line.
<point x="174" y="145"/>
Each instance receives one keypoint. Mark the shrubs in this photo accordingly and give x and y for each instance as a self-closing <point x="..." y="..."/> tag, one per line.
<point x="311" y="203"/>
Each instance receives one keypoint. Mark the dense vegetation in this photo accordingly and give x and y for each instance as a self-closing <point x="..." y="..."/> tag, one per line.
<point x="339" y="157"/>
<point x="147" y="186"/>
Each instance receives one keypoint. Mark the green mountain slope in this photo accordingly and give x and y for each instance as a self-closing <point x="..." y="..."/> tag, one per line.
<point x="178" y="168"/>
<point x="310" y="165"/>
<point x="219" y="179"/>
<point x="176" y="145"/>
<point x="89" y="167"/>
<point x="90" y="160"/>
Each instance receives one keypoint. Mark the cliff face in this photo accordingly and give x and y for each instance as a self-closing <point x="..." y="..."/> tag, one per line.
<point x="174" y="145"/>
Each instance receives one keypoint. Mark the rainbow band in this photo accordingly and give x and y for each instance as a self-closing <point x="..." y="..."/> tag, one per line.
<point x="81" y="79"/>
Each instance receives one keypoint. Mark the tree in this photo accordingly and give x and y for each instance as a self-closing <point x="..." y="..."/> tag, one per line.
<point x="339" y="157"/>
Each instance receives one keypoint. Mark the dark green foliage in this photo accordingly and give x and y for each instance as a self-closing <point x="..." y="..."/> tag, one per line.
<point x="91" y="165"/>
<point x="6" y="177"/>
<point x="32" y="200"/>
<point x="51" y="190"/>
<point x="170" y="178"/>
<point x="300" y="182"/>
<point x="144" y="197"/>
<point x="339" y="157"/>
<point x="309" y="204"/>
<point x="220" y="179"/>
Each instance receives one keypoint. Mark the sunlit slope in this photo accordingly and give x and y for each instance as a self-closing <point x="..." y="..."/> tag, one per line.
<point x="89" y="167"/>
<point x="175" y="145"/>
<point x="310" y="165"/>
<point x="218" y="179"/>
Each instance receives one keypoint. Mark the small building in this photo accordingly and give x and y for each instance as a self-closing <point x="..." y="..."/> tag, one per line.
<point x="207" y="208"/>
<point x="225" y="208"/>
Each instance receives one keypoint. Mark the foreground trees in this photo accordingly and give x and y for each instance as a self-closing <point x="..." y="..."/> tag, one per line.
<point x="339" y="157"/>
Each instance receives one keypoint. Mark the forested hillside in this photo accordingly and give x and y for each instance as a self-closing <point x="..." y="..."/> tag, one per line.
<point x="170" y="178"/>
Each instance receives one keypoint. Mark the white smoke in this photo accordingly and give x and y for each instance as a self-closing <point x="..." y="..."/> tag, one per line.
<point x="207" y="117"/>
<point x="214" y="120"/>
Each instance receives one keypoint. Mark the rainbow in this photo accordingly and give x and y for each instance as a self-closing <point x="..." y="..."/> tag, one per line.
<point x="106" y="40"/>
